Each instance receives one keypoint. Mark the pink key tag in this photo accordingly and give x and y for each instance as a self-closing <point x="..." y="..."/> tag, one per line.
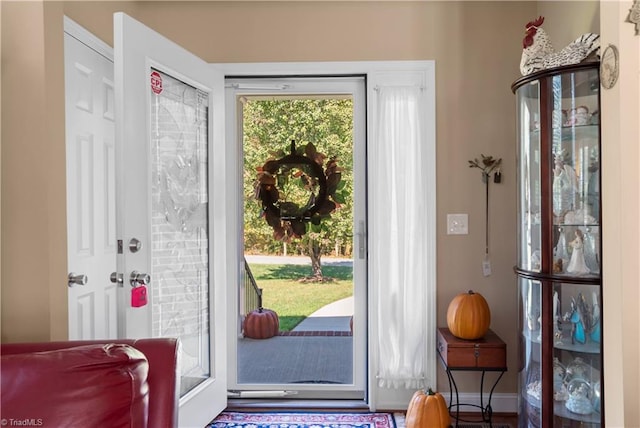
<point x="138" y="296"/>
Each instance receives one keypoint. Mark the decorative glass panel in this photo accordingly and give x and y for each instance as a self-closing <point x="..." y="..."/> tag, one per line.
<point x="180" y="230"/>
<point x="576" y="174"/>
<point x="576" y="355"/>
<point x="529" y="189"/>
<point x="531" y="353"/>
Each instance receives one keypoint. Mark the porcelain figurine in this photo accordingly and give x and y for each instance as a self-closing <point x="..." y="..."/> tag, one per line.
<point x="565" y="185"/>
<point x="577" y="264"/>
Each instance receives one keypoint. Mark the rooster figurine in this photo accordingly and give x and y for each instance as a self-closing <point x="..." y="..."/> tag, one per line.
<point x="538" y="53"/>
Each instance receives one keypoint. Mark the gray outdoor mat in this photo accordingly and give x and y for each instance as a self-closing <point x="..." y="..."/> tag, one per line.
<point x="295" y="359"/>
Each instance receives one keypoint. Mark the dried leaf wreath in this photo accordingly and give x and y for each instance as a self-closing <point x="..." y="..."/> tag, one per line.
<point x="305" y="168"/>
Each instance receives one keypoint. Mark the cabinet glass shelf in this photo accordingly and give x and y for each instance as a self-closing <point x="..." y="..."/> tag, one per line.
<point x="564" y="343"/>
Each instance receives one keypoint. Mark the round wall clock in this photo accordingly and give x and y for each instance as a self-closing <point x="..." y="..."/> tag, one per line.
<point x="609" y="67"/>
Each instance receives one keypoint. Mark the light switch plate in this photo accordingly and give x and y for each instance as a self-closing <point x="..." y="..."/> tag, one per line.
<point x="457" y="224"/>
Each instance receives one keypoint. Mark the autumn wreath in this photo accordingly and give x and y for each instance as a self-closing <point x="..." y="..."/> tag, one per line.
<point x="304" y="170"/>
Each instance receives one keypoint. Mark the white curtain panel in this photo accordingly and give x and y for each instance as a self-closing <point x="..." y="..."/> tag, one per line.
<point x="399" y="247"/>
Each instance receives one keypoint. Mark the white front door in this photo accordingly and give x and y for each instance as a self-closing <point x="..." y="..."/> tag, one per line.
<point x="170" y="139"/>
<point x="91" y="251"/>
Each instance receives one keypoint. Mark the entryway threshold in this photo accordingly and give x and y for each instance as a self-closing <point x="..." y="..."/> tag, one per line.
<point x="244" y="404"/>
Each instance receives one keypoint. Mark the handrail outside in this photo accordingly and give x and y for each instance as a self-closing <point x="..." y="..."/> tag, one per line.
<point x="253" y="294"/>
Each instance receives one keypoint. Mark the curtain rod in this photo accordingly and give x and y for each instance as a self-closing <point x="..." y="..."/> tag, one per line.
<point x="259" y="86"/>
<point x="378" y="87"/>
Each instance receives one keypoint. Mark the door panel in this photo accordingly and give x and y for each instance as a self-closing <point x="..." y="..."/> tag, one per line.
<point x="167" y="115"/>
<point x="90" y="190"/>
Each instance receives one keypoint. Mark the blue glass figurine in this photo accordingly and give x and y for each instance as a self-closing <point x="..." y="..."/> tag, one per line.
<point x="595" y="333"/>
<point x="585" y="320"/>
<point x="577" y="328"/>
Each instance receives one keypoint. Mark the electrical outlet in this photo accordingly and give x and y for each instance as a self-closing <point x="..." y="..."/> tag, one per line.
<point x="457" y="224"/>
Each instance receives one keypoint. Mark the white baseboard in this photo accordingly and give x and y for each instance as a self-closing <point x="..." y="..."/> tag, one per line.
<point x="500" y="402"/>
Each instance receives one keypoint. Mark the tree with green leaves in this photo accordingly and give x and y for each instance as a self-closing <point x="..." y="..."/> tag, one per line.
<point x="322" y="130"/>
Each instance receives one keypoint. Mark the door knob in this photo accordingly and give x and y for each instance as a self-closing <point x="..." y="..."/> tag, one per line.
<point x="77" y="279"/>
<point x="138" y="278"/>
<point x="116" y="278"/>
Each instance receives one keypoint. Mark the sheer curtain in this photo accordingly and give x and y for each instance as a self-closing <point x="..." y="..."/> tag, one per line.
<point x="399" y="244"/>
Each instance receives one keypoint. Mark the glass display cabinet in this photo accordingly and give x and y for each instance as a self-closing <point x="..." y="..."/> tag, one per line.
<point x="559" y="250"/>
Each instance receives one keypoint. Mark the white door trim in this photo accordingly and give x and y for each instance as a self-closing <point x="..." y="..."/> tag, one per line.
<point x="353" y="86"/>
<point x="75" y="30"/>
<point x="376" y="397"/>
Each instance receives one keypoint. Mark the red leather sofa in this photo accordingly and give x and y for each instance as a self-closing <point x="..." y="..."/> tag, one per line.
<point x="116" y="383"/>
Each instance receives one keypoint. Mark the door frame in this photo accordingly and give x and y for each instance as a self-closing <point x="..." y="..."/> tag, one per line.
<point x="338" y="85"/>
<point x="77" y="31"/>
<point x="375" y="72"/>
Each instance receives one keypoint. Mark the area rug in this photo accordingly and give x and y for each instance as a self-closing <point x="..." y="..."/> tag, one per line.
<point x="302" y="420"/>
<point x="400" y="423"/>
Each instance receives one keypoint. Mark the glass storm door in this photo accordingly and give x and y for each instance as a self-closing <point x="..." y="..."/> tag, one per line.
<point x="331" y="362"/>
<point x="168" y="105"/>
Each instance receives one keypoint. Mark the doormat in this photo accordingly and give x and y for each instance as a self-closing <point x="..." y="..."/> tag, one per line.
<point x="302" y="420"/>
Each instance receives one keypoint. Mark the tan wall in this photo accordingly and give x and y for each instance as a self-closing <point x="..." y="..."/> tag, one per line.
<point x="565" y="20"/>
<point x="621" y="210"/>
<point x="30" y="171"/>
<point x="34" y="260"/>
<point x="476" y="46"/>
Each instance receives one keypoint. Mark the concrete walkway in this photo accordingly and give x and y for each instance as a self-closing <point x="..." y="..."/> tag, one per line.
<point x="332" y="317"/>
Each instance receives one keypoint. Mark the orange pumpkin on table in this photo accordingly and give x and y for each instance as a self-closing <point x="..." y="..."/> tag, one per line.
<point x="427" y="409"/>
<point x="468" y="316"/>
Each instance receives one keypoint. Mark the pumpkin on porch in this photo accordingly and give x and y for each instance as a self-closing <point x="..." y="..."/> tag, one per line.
<point x="261" y="323"/>
<point x="427" y="410"/>
<point x="468" y="316"/>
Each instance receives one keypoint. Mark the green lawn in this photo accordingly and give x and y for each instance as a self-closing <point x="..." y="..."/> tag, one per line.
<point x="293" y="301"/>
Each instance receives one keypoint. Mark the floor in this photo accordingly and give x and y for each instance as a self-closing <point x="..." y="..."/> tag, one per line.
<point x="498" y="420"/>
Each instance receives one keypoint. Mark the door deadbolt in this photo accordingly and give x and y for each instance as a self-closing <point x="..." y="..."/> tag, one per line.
<point x="135" y="245"/>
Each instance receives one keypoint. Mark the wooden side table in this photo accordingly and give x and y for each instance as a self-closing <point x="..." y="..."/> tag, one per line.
<point x="488" y="354"/>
